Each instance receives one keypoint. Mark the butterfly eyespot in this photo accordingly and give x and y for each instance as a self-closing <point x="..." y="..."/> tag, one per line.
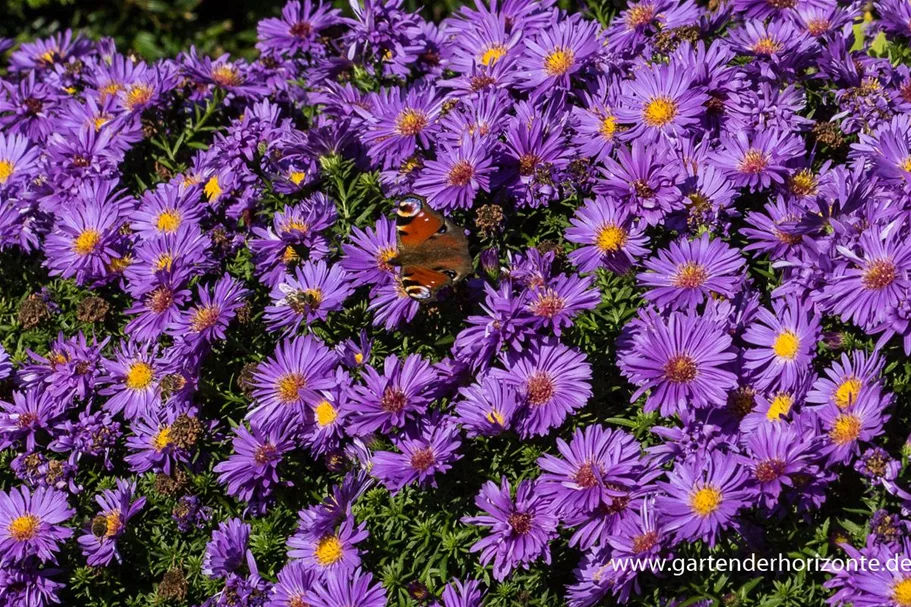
<point x="450" y="274"/>
<point x="418" y="292"/>
<point x="409" y="207"/>
<point x="442" y="229"/>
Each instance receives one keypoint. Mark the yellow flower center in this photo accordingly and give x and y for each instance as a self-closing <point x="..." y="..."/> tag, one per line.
<point x="787" y="345"/>
<point x="846" y="394"/>
<point x="706" y="501"/>
<point x="138" y="94"/>
<point x="329" y="550"/>
<point x="226" y="76"/>
<point x="139" y="376"/>
<point x="491" y="55"/>
<point x="113" y="523"/>
<point x="24" y="527"/>
<point x="119" y="264"/>
<point x="753" y="162"/>
<point x="289" y="387"/>
<point x="297" y="177"/>
<point x="168" y="221"/>
<point x="766" y="46"/>
<point x="779" y="407"/>
<point x="87" y="242"/>
<point x="205" y="318"/>
<point x="901" y="592"/>
<point x="804" y="183"/>
<point x="640" y="16"/>
<point x="325" y="413"/>
<point x="611" y="238"/>
<point x="845" y="430"/>
<point x="559" y="61"/>
<point x="164" y="262"/>
<point x="6" y="170"/>
<point x="906" y="166"/>
<point x="879" y="274"/>
<point x="495" y="417"/>
<point x="410" y="122"/>
<point x="161" y="440"/>
<point x="681" y="369"/>
<point x="358" y="358"/>
<point x="608" y="127"/>
<point x="212" y="189"/>
<point x="659" y="111"/>
<point x="110" y="89"/>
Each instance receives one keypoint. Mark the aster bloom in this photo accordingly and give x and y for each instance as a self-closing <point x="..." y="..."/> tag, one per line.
<point x="134" y="379"/>
<point x="424" y="452"/>
<point x="848" y="380"/>
<point x="845" y="430"/>
<point x="453" y="180"/>
<point x="118" y="506"/>
<point x="355" y="590"/>
<point x="310" y="294"/>
<point x="609" y="234"/>
<point x="227" y="551"/>
<point x="298" y="28"/>
<point x="389" y="399"/>
<point x="682" y="362"/>
<point x="250" y="472"/>
<point x="291" y="378"/>
<point x="30" y="523"/>
<point x="520" y="528"/>
<point x="662" y="101"/>
<point x="552" y="382"/>
<point x="701" y="497"/>
<point x="552" y="57"/>
<point x="153" y="443"/>
<point x="642" y="177"/>
<point x="486" y="408"/>
<point x="166" y="209"/>
<point x="295" y="580"/>
<point x="17" y="160"/>
<point x="208" y="320"/>
<point x="462" y="594"/>
<point x="689" y="271"/>
<point x="591" y="467"/>
<point x="784" y="342"/>
<point x="30" y="412"/>
<point x="873" y="281"/>
<point x="555" y="304"/>
<point x="403" y="121"/>
<point x="758" y="161"/>
<point x="81" y="246"/>
<point x="779" y="454"/>
<point x="330" y="553"/>
<point x="366" y="259"/>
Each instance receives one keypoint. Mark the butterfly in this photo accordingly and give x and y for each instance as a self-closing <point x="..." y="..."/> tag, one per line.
<point x="432" y="250"/>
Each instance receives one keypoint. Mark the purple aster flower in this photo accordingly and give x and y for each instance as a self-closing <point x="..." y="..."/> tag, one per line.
<point x="552" y="381"/>
<point x="846" y="429"/>
<point x="354" y="590"/>
<point x="152" y="444"/>
<point x="662" y="101"/>
<point x="18" y="161"/>
<point x="82" y="245"/>
<point x="459" y="173"/>
<point x="353" y="354"/>
<point x="520" y="528"/>
<point x="28" y="107"/>
<point x="398" y="395"/>
<point x="786" y="344"/>
<point x="44" y="53"/>
<point x="331" y="553"/>
<point x="778" y="455"/>
<point x="290" y="379"/>
<point x="367" y="258"/>
<point x="849" y="379"/>
<point x="29" y="586"/>
<point x="165" y="210"/>
<point x="550" y="58"/>
<point x="461" y="594"/>
<point x="401" y="121"/>
<point x="134" y="379"/>
<point x="250" y="472"/>
<point x="209" y="318"/>
<point x="593" y="464"/>
<point x="426" y="450"/>
<point x="227" y="551"/>
<point x="758" y="161"/>
<point x="702" y="496"/>
<point x="30" y="523"/>
<point x="689" y="271"/>
<point x="295" y="580"/>
<point x="99" y="545"/>
<point x="596" y="122"/>
<point x="643" y="178"/>
<point x="156" y="310"/>
<point x="876" y="464"/>
<point x="6" y="364"/>
<point x="297" y="30"/>
<point x="555" y="305"/>
<point x="170" y="258"/>
<point x="780" y="48"/>
<point x="682" y="362"/>
<point x="31" y="412"/>
<point x="233" y="76"/>
<point x="311" y="293"/>
<point x="889" y="148"/>
<point x="71" y="367"/>
<point x="330" y="416"/>
<point x="487" y="408"/>
<point x="610" y="236"/>
<point x="873" y="280"/>
<point x="534" y="154"/>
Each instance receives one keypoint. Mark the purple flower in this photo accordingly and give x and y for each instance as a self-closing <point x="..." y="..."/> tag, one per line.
<point x="134" y="379"/>
<point x="644" y="179"/>
<point x="554" y="305"/>
<point x="227" y="551"/>
<point x="552" y="382"/>
<point x="354" y="590"/>
<point x="30" y="523"/>
<point x="311" y="293"/>
<point x="30" y="412"/>
<point x="209" y="318"/>
<point x="295" y="580"/>
<point x="609" y="234"/>
<point x="701" y="497"/>
<point x="520" y="528"/>
<point x="455" y="178"/>
<point x="426" y="451"/>
<point x="398" y="395"/>
<point x="779" y="454"/>
<point x="551" y="58"/>
<point x="250" y="472"/>
<point x="682" y="362"/>
<point x="786" y="344"/>
<point x="367" y="258"/>
<point x="298" y="28"/>
<point x="689" y="271"/>
<point x="17" y="161"/>
<point x="99" y="545"/>
<point x="660" y="102"/>
<point x="402" y="120"/>
<point x="487" y="408"/>
<point x="331" y="553"/>
<point x="758" y="161"/>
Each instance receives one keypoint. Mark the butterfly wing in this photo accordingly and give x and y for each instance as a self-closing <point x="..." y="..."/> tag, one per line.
<point x="432" y="250"/>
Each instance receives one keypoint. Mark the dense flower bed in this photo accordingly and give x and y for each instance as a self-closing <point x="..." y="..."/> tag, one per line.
<point x="686" y="335"/>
